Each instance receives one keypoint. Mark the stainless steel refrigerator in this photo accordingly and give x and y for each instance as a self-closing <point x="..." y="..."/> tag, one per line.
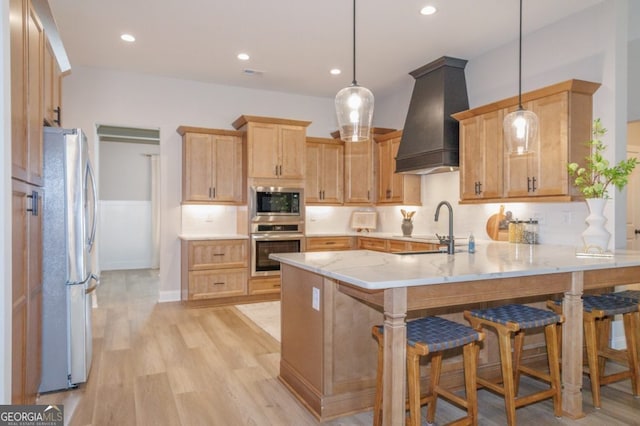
<point x="69" y="229"/>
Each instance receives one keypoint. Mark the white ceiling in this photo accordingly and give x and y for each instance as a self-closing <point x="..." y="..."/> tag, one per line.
<point x="293" y="42"/>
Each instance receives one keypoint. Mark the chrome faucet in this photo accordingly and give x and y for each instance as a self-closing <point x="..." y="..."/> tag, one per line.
<point x="450" y="242"/>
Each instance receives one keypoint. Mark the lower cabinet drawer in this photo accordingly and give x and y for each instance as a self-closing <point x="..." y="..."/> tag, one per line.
<point x="328" y="243"/>
<point x="217" y="283"/>
<point x="264" y="285"/>
<point x="375" y="244"/>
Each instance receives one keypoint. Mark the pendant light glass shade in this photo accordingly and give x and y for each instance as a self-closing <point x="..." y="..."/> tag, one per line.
<point x="354" y="107"/>
<point x="354" y="104"/>
<point x="520" y="131"/>
<point x="521" y="126"/>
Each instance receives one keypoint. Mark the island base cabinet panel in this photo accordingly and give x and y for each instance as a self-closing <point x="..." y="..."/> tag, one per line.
<point x="329" y="366"/>
<point x="302" y="340"/>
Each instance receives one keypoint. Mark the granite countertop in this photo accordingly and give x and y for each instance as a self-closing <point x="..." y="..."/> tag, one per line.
<point x="377" y="270"/>
<point x="195" y="237"/>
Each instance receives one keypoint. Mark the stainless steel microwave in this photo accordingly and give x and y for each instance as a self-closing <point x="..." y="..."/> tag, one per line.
<point x="276" y="203"/>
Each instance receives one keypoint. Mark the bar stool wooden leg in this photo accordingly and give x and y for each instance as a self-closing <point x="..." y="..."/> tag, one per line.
<point x="504" y="341"/>
<point x="470" y="355"/>
<point x="436" y="369"/>
<point x="630" y="328"/>
<point x="603" y="332"/>
<point x="552" y="337"/>
<point x="413" y="384"/>
<point x="518" y="344"/>
<point x="592" y="356"/>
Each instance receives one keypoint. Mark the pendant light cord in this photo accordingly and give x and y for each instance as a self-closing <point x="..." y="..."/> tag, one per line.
<point x="354" y="82"/>
<point x="519" y="61"/>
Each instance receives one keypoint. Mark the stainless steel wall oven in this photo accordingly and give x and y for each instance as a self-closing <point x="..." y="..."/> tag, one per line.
<point x="273" y="238"/>
<point x="276" y="226"/>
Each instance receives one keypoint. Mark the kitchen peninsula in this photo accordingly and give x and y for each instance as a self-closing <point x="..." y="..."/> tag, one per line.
<point x="331" y="299"/>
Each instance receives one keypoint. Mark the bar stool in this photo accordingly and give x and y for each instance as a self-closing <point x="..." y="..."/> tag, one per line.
<point x="634" y="297"/>
<point x="433" y="335"/>
<point x="598" y="312"/>
<point x="510" y="320"/>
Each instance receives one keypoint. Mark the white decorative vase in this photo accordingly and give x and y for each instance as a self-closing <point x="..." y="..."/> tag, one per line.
<point x="596" y="237"/>
<point x="407" y="227"/>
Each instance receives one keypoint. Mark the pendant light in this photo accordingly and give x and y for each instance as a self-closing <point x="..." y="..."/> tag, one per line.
<point x="521" y="126"/>
<point x="354" y="104"/>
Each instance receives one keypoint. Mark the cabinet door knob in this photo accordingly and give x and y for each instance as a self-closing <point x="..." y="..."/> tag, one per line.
<point x="637" y="231"/>
<point x="58" y="119"/>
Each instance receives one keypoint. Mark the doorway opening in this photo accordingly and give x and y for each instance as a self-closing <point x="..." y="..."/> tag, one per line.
<point x="129" y="198"/>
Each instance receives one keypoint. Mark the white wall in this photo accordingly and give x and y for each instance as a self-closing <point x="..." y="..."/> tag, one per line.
<point x="124" y="240"/>
<point x="5" y="207"/>
<point x="125" y="170"/>
<point x="124" y="223"/>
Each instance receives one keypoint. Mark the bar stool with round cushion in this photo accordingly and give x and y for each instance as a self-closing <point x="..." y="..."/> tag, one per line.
<point x="598" y="312"/>
<point x="513" y="320"/>
<point x="432" y="336"/>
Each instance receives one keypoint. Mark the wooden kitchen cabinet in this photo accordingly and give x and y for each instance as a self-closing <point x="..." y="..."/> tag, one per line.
<point x="27" y="94"/>
<point x="565" y="118"/>
<point x="394" y="188"/>
<point x="276" y="147"/>
<point x="395" y="246"/>
<point x="481" y="152"/>
<point x="359" y="175"/>
<point x="214" y="268"/>
<point x="390" y="245"/>
<point x="26" y="278"/>
<point x="212" y="166"/>
<point x="52" y="88"/>
<point x="328" y="243"/>
<point x="371" y="243"/>
<point x="324" y="175"/>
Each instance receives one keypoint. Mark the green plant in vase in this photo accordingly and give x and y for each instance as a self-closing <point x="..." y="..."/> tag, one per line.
<point x="593" y="181"/>
<point x="594" y="178"/>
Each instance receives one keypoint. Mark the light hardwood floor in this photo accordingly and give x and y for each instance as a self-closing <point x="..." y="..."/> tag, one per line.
<point x="164" y="364"/>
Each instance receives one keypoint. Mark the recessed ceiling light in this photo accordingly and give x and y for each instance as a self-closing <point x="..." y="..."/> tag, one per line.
<point x="335" y="71"/>
<point x="428" y="10"/>
<point x="243" y="56"/>
<point x="128" y="38"/>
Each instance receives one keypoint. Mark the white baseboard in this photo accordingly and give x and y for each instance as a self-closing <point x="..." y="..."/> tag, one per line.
<point x="169" y="296"/>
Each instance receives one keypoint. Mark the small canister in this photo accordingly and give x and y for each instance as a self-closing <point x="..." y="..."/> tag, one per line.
<point x="530" y="235"/>
<point x="515" y="231"/>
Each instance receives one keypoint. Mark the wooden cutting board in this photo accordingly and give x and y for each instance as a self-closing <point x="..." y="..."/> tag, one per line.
<point x="493" y="226"/>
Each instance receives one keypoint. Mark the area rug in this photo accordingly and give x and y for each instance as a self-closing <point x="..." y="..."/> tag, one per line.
<point x="265" y="315"/>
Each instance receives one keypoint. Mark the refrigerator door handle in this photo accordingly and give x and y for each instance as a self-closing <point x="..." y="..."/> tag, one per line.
<point x="92" y="235"/>
<point x="92" y="288"/>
